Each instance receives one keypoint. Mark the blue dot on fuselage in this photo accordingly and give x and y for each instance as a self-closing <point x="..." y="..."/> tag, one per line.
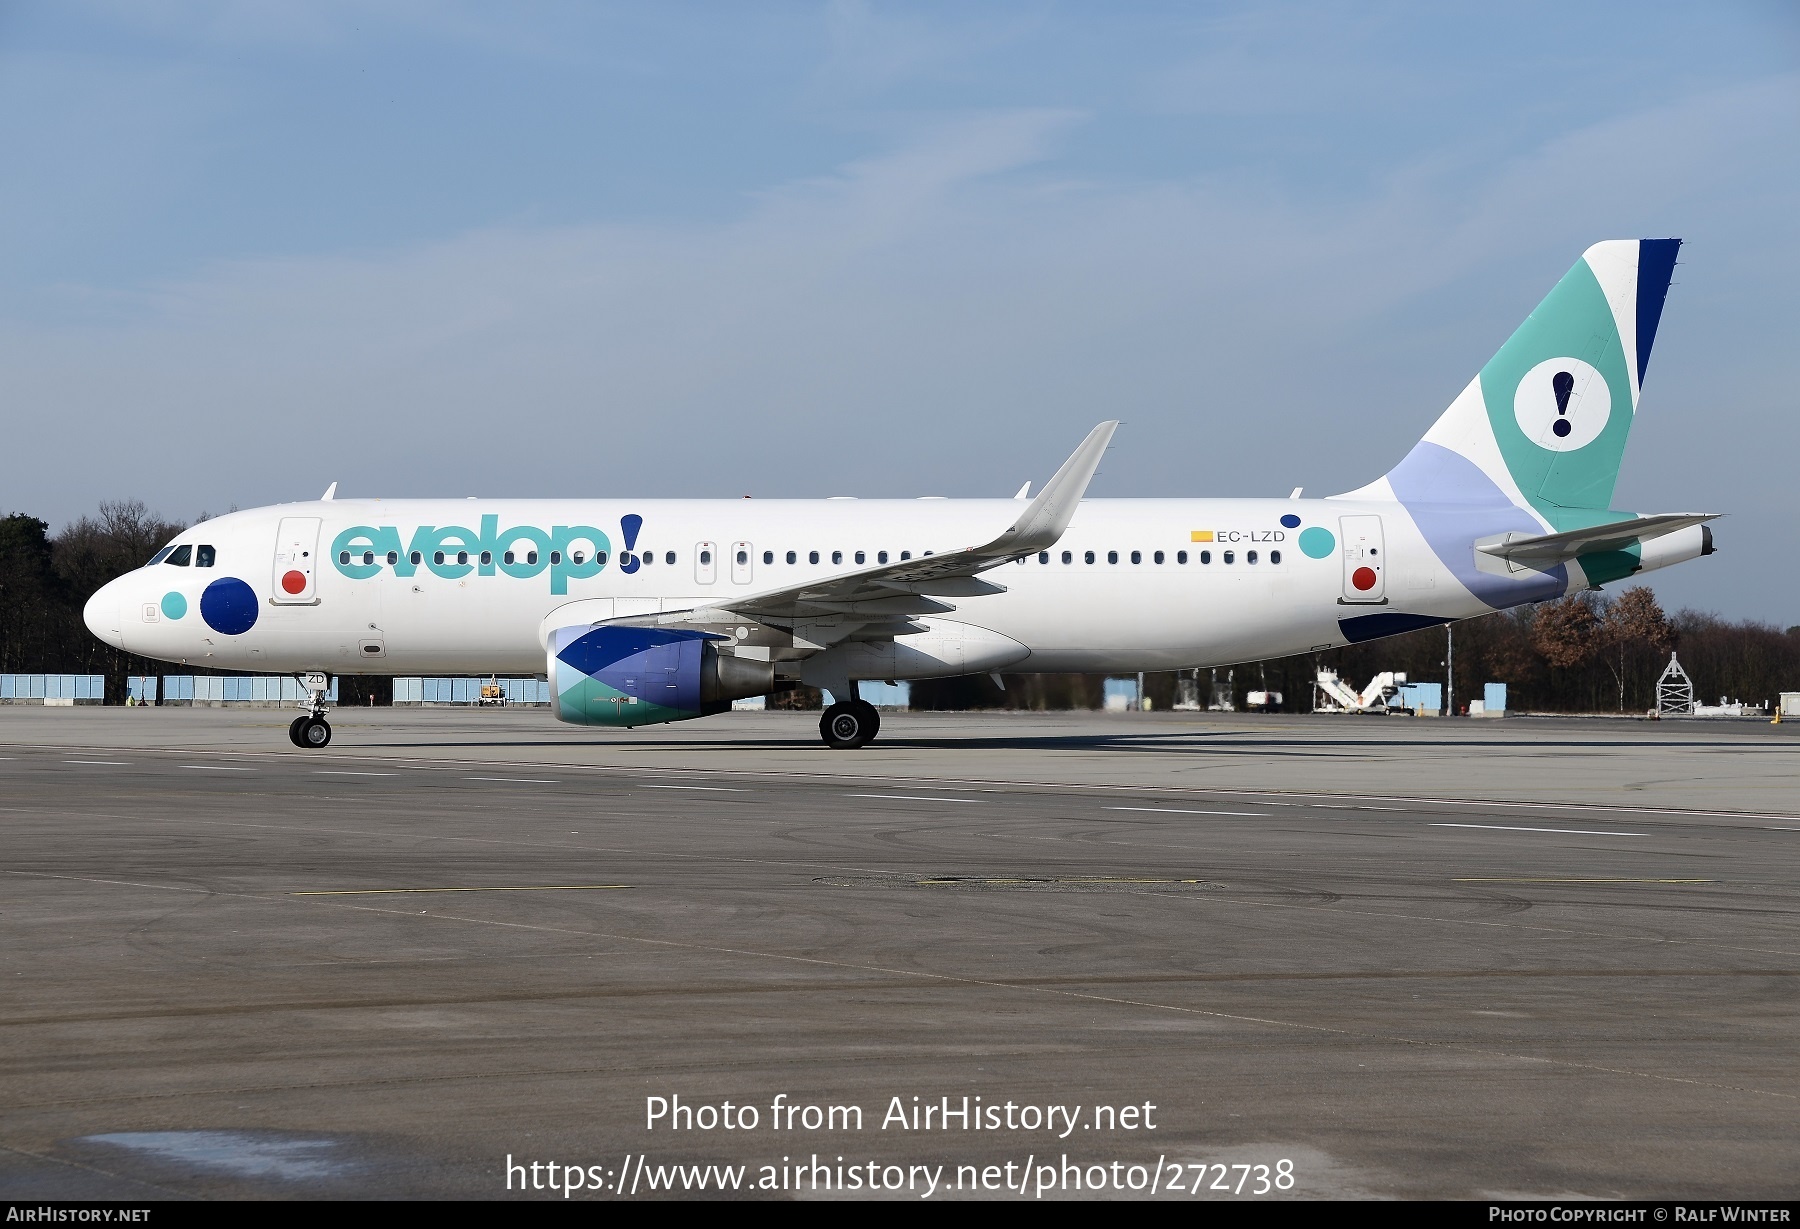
<point x="1290" y="521"/>
<point x="229" y="606"/>
<point x="174" y="606"/>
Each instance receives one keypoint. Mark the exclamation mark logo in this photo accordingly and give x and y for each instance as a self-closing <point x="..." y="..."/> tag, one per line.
<point x="1564" y="384"/>
<point x="631" y="522"/>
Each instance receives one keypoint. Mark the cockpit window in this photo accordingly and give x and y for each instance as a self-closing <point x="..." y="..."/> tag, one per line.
<point x="159" y="556"/>
<point x="203" y="556"/>
<point x="181" y="556"/>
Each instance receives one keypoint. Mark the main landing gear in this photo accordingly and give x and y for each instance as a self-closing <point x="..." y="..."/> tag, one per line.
<point x="310" y="731"/>
<point x="850" y="724"/>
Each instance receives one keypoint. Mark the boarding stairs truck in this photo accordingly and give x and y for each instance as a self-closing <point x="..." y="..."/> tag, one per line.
<point x="1332" y="694"/>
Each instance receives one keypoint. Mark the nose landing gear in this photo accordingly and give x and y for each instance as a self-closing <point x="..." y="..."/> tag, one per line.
<point x="310" y="730"/>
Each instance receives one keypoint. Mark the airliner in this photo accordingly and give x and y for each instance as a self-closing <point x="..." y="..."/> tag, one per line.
<point x="641" y="611"/>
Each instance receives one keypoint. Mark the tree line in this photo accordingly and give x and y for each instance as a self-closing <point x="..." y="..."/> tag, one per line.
<point x="45" y="581"/>
<point x="1590" y="652"/>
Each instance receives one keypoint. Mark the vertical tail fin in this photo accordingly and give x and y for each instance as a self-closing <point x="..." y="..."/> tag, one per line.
<point x="1543" y="426"/>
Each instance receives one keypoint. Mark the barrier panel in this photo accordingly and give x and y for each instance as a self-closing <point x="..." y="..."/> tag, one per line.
<point x="266" y="690"/>
<point x="1425" y="699"/>
<point x="422" y="691"/>
<point x="52" y="688"/>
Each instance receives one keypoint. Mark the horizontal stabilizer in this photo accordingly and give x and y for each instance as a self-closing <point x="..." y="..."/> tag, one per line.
<point x="1546" y="550"/>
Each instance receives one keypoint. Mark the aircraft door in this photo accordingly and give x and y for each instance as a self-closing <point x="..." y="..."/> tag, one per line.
<point x="294" y="581"/>
<point x="742" y="556"/>
<point x="706" y="562"/>
<point x="1365" y="560"/>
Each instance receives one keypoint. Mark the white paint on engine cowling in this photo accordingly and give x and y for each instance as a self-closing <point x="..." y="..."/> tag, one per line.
<point x="946" y="649"/>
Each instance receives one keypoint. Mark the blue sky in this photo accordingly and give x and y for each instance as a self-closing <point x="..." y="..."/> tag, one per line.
<point x="802" y="249"/>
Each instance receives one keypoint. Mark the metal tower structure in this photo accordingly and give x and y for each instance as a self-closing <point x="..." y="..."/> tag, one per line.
<point x="1674" y="690"/>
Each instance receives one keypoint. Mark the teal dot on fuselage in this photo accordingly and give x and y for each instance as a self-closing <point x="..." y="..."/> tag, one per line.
<point x="1316" y="543"/>
<point x="174" y="605"/>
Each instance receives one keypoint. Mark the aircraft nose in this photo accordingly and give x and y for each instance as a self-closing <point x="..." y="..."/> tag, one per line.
<point x="104" y="613"/>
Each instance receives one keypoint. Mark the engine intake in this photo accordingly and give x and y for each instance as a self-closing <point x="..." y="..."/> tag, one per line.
<point x="632" y="676"/>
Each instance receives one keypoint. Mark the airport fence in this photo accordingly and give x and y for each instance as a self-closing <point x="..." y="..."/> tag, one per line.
<point x="252" y="690"/>
<point x="52" y="689"/>
<point x="424" y="691"/>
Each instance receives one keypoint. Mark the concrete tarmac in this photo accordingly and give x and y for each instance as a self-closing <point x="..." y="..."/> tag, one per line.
<point x="1386" y="958"/>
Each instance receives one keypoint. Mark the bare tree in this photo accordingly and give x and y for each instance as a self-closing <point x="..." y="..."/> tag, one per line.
<point x="1565" y="631"/>
<point x="1634" y="620"/>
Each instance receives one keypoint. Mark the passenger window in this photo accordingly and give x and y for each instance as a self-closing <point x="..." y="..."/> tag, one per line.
<point x="462" y="556"/>
<point x="506" y="558"/>
<point x="555" y="556"/>
<point x="1043" y="556"/>
<point x="1137" y="556"/>
<point x="1112" y="556"/>
<point x="905" y="554"/>
<point x="648" y="557"/>
<point x="414" y="558"/>
<point x="837" y="556"/>
<point x="880" y="556"/>
<point x="1180" y="556"/>
<point x="1230" y="556"/>
<point x="1205" y="556"/>
<point x="1250" y="556"/>
<point x="487" y="558"/>
<point x="343" y="557"/>
<point x="575" y="556"/>
<point x="812" y="556"/>
<point x="792" y="557"/>
<point x="1157" y="557"/>
<point x="437" y="556"/>
<point x="705" y="558"/>
<point x="599" y="558"/>
<point x="181" y="557"/>
<point x="368" y="558"/>
<point x="859" y="556"/>
<point x="1089" y="556"/>
<point x="203" y="556"/>
<point x="394" y="557"/>
<point x="530" y="557"/>
<point x="768" y="556"/>
<point x="1274" y="556"/>
<point x="743" y="557"/>
<point x="1068" y="556"/>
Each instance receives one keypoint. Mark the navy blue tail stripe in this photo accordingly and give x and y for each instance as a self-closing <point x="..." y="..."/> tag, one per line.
<point x="1656" y="266"/>
<point x="1363" y="628"/>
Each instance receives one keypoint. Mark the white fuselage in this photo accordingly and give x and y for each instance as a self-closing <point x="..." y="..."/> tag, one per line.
<point x="1247" y="589"/>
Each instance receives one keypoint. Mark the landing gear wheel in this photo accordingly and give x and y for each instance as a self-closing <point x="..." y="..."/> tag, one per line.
<point x="846" y="726"/>
<point x="311" y="733"/>
<point x="872" y="715"/>
<point x="294" y="730"/>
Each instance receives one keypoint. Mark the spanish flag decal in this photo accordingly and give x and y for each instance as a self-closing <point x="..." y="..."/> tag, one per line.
<point x="1201" y="535"/>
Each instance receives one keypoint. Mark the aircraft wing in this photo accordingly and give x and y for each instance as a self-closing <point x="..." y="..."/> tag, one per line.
<point x="880" y="602"/>
<point x="1549" y="549"/>
<point x="951" y="572"/>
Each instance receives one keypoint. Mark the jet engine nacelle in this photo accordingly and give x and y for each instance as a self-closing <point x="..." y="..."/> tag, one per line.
<point x="630" y="676"/>
<point x="1677" y="547"/>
